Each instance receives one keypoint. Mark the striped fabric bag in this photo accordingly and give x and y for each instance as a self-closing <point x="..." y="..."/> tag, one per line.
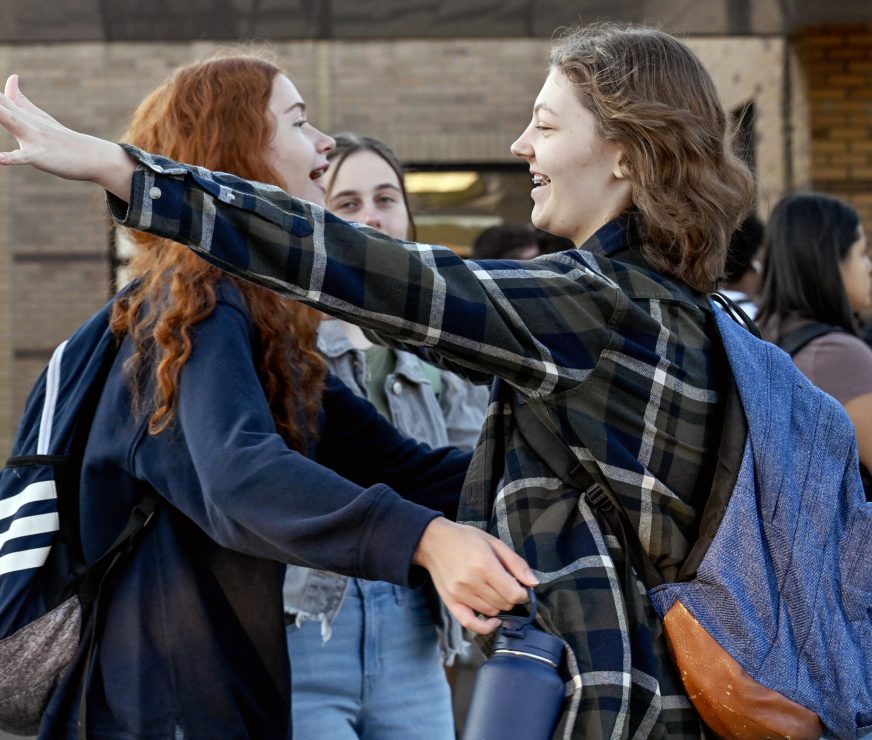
<point x="45" y="591"/>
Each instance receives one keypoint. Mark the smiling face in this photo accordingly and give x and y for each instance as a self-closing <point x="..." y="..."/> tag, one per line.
<point x="366" y="189"/>
<point x="856" y="269"/>
<point x="578" y="184"/>
<point x="297" y="150"/>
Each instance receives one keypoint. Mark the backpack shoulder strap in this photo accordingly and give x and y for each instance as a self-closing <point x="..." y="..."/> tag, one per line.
<point x="92" y="585"/>
<point x="733" y="309"/>
<point x="795" y="340"/>
<point x="537" y="430"/>
<point x="95" y="576"/>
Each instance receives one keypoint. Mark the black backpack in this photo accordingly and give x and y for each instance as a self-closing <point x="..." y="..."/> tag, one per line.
<point x="49" y="600"/>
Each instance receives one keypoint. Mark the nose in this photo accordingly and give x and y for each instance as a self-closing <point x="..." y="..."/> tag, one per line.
<point x="372" y="217"/>
<point x="521" y="148"/>
<point x="323" y="142"/>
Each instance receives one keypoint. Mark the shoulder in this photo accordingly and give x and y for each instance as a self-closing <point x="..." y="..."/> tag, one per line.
<point x="846" y="345"/>
<point x="227" y="293"/>
<point x="839" y="363"/>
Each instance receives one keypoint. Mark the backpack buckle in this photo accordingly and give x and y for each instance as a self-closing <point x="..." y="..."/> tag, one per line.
<point x="598" y="498"/>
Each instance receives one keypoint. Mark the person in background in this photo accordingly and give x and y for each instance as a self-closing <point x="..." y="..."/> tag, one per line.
<point x="506" y="241"/>
<point x="219" y="401"/>
<point x="515" y="242"/>
<point x="816" y="277"/>
<point x="366" y="654"/>
<point x="630" y="156"/>
<point x="742" y="276"/>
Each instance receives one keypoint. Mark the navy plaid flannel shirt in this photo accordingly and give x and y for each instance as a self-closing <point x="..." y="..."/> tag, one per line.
<point x="618" y="353"/>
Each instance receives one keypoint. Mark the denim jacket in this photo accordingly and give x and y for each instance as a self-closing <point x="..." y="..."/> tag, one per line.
<point x="455" y="418"/>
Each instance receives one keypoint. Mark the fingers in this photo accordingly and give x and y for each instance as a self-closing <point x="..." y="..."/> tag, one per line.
<point x="14" y="157"/>
<point x="11" y="117"/>
<point x="470" y="621"/>
<point x="13" y="92"/>
<point x="472" y="569"/>
<point x="11" y="89"/>
<point x="496" y="580"/>
<point x="11" y="121"/>
<point x="489" y="604"/>
<point x="514" y="564"/>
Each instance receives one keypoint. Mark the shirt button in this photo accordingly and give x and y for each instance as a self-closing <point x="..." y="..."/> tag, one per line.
<point x="154" y="193"/>
<point x="397" y="388"/>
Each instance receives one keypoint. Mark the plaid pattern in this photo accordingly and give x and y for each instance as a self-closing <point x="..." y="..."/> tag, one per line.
<point x="618" y="354"/>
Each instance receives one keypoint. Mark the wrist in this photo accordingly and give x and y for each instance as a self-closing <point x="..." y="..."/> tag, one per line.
<point x="426" y="545"/>
<point x="115" y="172"/>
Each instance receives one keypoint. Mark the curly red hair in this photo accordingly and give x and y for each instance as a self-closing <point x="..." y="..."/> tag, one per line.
<point x="215" y="114"/>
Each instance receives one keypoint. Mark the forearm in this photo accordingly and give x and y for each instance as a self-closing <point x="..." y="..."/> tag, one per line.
<point x="115" y="172"/>
<point x="358" y="443"/>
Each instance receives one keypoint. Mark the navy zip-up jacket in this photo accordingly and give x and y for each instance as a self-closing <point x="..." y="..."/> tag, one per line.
<point x="192" y="644"/>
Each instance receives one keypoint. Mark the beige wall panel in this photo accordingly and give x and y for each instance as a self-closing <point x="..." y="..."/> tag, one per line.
<point x="750" y="69"/>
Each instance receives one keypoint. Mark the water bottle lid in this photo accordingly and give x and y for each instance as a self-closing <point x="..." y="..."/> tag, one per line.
<point x="520" y="635"/>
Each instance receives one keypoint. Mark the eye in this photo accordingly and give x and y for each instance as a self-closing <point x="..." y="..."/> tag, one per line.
<point x="301" y="122"/>
<point x="387" y="200"/>
<point x="344" y="205"/>
<point x="542" y="127"/>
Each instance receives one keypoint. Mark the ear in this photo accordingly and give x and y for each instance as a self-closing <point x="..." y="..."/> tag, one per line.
<point x="621" y="166"/>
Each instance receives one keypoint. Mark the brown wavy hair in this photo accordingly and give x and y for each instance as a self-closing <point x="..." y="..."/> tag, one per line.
<point x="214" y="114"/>
<point x="652" y="97"/>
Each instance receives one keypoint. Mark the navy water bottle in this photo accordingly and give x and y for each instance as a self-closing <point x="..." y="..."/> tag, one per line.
<point x="518" y="691"/>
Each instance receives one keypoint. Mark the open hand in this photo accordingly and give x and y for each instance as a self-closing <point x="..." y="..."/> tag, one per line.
<point x="52" y="147"/>
<point x="473" y="572"/>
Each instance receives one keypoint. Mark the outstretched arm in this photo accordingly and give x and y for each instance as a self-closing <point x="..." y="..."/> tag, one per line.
<point x="51" y="147"/>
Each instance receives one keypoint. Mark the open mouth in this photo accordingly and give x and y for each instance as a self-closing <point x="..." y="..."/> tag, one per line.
<point x="540" y="180"/>
<point x="317" y="174"/>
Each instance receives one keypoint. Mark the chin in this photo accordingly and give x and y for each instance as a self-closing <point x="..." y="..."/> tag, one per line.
<point x="537" y="220"/>
<point x="554" y="230"/>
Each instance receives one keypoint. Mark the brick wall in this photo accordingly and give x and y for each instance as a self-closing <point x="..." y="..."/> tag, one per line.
<point x="836" y="65"/>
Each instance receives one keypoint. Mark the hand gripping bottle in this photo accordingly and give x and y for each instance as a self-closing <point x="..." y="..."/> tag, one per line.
<point x="518" y="691"/>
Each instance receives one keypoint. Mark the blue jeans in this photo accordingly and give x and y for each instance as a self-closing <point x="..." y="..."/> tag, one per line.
<point x="380" y="675"/>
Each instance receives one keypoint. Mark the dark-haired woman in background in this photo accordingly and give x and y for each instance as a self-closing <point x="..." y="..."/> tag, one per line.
<point x="816" y="276"/>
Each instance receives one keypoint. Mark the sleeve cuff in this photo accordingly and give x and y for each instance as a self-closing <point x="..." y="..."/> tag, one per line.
<point x="388" y="546"/>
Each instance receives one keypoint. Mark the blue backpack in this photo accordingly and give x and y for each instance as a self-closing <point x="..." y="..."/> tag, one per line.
<point x="770" y="617"/>
<point x="48" y="597"/>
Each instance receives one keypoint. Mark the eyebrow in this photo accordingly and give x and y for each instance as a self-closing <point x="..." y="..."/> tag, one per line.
<point x="544" y="106"/>
<point x="351" y="191"/>
<point x="300" y="106"/>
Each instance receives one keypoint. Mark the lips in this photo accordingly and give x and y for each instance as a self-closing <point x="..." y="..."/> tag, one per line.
<point x="540" y="180"/>
<point x="316" y="175"/>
